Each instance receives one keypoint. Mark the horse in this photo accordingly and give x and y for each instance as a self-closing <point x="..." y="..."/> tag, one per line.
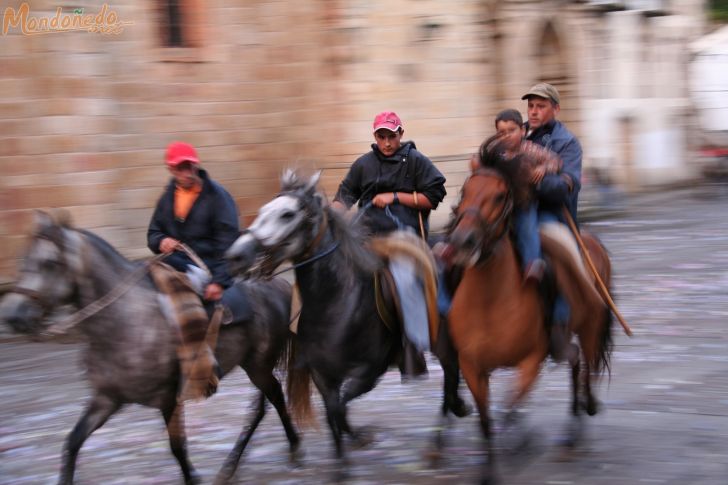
<point x="131" y="355"/>
<point x="343" y="343"/>
<point x="497" y="320"/>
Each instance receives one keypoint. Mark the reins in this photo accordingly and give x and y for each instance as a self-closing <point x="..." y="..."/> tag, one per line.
<point x="96" y="306"/>
<point x="316" y="240"/>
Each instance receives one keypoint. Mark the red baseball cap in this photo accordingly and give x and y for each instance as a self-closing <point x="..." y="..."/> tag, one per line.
<point x="178" y="152"/>
<point x="387" y="120"/>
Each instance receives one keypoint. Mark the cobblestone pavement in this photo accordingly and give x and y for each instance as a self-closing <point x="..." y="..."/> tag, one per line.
<point x="664" y="421"/>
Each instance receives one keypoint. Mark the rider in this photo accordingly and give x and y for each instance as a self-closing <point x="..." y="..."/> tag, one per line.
<point x="394" y="184"/>
<point x="393" y="176"/>
<point x="196" y="211"/>
<point x="533" y="163"/>
<point x="556" y="190"/>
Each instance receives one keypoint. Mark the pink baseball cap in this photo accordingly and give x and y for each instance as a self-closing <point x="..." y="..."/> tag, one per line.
<point x="178" y="152"/>
<point x="387" y="120"/>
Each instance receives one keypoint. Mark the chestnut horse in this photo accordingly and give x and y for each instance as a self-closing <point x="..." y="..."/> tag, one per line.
<point x="498" y="321"/>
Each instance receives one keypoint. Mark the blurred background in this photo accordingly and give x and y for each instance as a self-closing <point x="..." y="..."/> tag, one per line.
<point x="260" y="85"/>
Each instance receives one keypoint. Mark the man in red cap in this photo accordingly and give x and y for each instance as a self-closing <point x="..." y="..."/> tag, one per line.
<point x="394" y="175"/>
<point x="196" y="211"/>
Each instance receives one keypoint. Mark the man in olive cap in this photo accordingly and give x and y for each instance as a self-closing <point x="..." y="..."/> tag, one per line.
<point x="556" y="190"/>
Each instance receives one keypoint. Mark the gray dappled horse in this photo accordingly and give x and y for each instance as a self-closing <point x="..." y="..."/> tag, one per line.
<point x="131" y="355"/>
<point x="342" y="344"/>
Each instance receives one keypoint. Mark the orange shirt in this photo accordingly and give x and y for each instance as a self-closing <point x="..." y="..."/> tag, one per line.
<point x="183" y="200"/>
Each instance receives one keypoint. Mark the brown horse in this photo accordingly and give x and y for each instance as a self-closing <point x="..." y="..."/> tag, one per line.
<point x="498" y="321"/>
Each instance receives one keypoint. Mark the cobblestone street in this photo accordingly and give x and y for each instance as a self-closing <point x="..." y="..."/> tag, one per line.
<point x="664" y="418"/>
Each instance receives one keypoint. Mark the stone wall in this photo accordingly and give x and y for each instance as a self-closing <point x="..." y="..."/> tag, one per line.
<point x="259" y="86"/>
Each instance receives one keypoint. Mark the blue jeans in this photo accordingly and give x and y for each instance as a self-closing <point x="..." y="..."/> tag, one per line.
<point x="528" y="242"/>
<point x="562" y="311"/>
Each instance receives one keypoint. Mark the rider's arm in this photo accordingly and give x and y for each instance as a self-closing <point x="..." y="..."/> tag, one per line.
<point x="559" y="186"/>
<point x="430" y="183"/>
<point x="155" y="234"/>
<point x="225" y="230"/>
<point x="350" y="188"/>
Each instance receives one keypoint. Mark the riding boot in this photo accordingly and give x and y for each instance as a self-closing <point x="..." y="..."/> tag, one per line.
<point x="560" y="347"/>
<point x="413" y="364"/>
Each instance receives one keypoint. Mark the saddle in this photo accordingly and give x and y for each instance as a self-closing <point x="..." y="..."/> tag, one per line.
<point x="197" y="334"/>
<point x="410" y="268"/>
<point x="571" y="276"/>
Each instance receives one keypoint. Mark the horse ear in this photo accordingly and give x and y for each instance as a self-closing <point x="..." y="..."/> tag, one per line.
<point x="313" y="181"/>
<point x="62" y="217"/>
<point x="288" y="179"/>
<point x="42" y="219"/>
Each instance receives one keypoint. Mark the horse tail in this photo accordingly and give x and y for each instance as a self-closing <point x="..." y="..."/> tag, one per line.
<point x="298" y="388"/>
<point x="602" y="359"/>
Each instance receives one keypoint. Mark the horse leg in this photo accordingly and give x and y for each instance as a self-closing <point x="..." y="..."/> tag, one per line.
<point x="332" y="403"/>
<point x="270" y="388"/>
<point x="448" y="357"/>
<point x="96" y="414"/>
<point x="478" y="383"/>
<point x="528" y="371"/>
<point x="355" y="387"/>
<point x="231" y="462"/>
<point x="174" y="418"/>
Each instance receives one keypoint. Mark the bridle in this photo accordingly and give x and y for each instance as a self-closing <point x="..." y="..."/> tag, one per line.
<point x="36" y="296"/>
<point x="492" y="231"/>
<point x="309" y="253"/>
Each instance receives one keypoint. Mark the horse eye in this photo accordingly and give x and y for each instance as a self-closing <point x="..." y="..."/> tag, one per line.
<point x="288" y="215"/>
<point x="50" y="265"/>
<point x="500" y="198"/>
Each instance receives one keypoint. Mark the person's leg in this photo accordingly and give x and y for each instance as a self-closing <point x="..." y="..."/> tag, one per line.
<point x="178" y="261"/>
<point x="528" y="242"/>
<point x="560" y="346"/>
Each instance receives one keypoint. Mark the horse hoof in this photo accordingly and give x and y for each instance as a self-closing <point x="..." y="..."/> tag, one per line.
<point x="461" y="409"/>
<point x="225" y="475"/>
<point x="592" y="407"/>
<point x="433" y="456"/>
<point x="295" y="456"/>
<point x="194" y="479"/>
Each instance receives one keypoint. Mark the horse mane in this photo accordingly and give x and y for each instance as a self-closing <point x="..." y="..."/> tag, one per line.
<point x="351" y="239"/>
<point x="513" y="170"/>
<point x="108" y="252"/>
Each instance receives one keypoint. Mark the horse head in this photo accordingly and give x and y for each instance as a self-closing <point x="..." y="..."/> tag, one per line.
<point x="286" y="228"/>
<point x="481" y="218"/>
<point x="47" y="275"/>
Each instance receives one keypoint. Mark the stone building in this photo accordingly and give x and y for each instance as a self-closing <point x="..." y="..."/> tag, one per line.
<point x="264" y="84"/>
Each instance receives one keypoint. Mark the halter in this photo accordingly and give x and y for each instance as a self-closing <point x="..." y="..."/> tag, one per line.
<point x="96" y="306"/>
<point x="488" y="229"/>
<point x="36" y="295"/>
<point x="323" y="229"/>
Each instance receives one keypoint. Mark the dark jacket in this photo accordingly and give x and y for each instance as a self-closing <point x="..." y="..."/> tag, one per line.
<point x="407" y="170"/>
<point x="209" y="229"/>
<point x="553" y="191"/>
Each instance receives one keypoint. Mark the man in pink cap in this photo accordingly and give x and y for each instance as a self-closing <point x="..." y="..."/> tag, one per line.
<point x="393" y="177"/>
<point x="196" y="211"/>
<point x="396" y="187"/>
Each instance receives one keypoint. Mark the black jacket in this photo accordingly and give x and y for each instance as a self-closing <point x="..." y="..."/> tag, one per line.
<point x="209" y="229"/>
<point x="407" y="170"/>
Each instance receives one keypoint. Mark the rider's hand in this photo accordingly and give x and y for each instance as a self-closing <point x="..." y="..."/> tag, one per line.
<point x="383" y="199"/>
<point x="213" y="292"/>
<point x="168" y="245"/>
